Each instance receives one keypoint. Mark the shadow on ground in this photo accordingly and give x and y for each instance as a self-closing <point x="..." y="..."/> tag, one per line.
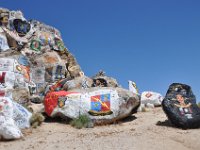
<point x="59" y="119"/>
<point x="65" y="120"/>
<point x="125" y="120"/>
<point x="165" y="123"/>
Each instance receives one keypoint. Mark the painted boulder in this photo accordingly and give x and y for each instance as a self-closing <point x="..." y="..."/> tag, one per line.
<point x="153" y="98"/>
<point x="13" y="117"/>
<point x="102" y="105"/>
<point x="14" y="76"/>
<point x="180" y="106"/>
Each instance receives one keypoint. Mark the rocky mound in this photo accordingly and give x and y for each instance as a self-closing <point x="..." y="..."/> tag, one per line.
<point x="36" y="66"/>
<point x="32" y="56"/>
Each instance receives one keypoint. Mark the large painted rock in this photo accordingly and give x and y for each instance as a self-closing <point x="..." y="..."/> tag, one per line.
<point x="180" y="106"/>
<point x="102" y="105"/>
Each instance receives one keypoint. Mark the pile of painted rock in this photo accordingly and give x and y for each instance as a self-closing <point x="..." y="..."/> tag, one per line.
<point x="36" y="67"/>
<point x="32" y="57"/>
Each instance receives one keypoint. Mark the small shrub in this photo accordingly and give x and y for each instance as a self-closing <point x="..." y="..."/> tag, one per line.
<point x="82" y="121"/>
<point x="36" y="120"/>
<point x="144" y="109"/>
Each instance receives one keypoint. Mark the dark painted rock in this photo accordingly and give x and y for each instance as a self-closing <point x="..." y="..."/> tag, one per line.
<point x="180" y="106"/>
<point x="21" y="26"/>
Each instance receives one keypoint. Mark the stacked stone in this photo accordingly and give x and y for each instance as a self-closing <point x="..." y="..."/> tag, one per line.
<point x="32" y="56"/>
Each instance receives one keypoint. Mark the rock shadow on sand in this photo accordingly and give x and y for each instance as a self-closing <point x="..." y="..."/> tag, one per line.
<point x="126" y="120"/>
<point x="165" y="123"/>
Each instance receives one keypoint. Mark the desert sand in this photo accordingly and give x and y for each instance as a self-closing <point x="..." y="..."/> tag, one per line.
<point x="142" y="131"/>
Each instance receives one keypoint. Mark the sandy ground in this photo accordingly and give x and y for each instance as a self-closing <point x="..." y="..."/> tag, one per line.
<point x="142" y="131"/>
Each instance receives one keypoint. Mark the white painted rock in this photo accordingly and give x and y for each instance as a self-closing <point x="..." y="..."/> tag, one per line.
<point x="13" y="117"/>
<point x="102" y="105"/>
<point x="149" y="97"/>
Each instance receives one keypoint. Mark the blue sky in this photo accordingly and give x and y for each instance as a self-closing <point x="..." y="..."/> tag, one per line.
<point x="152" y="42"/>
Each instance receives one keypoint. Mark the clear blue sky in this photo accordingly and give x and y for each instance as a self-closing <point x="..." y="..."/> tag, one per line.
<point x="152" y="42"/>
